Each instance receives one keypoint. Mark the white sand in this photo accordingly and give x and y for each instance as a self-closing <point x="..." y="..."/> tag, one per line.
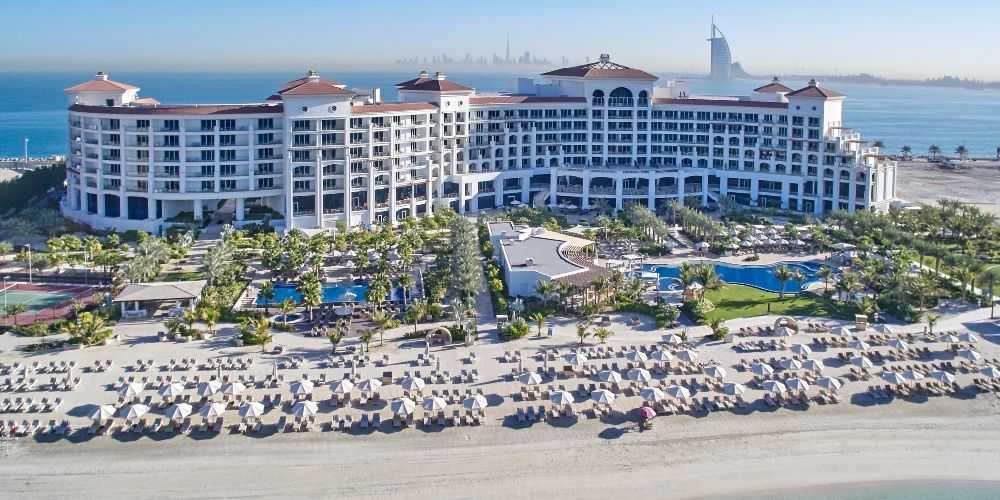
<point x="975" y="182"/>
<point x="682" y="457"/>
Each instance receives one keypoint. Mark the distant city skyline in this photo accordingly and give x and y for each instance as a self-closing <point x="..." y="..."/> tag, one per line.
<point x="913" y="39"/>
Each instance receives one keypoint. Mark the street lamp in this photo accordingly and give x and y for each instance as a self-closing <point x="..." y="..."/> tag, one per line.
<point x="5" y="278"/>
<point x="28" y="247"/>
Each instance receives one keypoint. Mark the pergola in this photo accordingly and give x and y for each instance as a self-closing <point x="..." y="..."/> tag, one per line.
<point x="137" y="297"/>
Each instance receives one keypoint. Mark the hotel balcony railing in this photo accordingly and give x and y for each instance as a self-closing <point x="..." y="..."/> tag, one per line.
<point x="621" y="102"/>
<point x="570" y="189"/>
<point x="597" y="101"/>
<point x="635" y="192"/>
<point x="692" y="189"/>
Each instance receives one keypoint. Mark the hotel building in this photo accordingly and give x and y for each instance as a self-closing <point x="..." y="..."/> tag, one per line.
<point x="596" y="135"/>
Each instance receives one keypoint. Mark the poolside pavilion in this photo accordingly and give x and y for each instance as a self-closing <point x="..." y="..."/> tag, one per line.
<point x="140" y="300"/>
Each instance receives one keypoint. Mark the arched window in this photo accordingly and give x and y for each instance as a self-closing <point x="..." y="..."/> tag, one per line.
<point x="845" y="175"/>
<point x="598" y="98"/>
<point x="620" y="96"/>
<point x="813" y="159"/>
<point x="643" y="98"/>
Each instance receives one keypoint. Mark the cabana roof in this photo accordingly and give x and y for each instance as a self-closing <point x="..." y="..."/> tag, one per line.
<point x="173" y="290"/>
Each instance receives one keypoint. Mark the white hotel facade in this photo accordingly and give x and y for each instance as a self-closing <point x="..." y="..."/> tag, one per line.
<point x="601" y="134"/>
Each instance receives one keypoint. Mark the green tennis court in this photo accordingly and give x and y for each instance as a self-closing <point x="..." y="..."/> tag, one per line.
<point x="36" y="301"/>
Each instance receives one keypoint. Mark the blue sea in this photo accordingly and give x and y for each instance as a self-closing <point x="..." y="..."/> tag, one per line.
<point x="32" y="105"/>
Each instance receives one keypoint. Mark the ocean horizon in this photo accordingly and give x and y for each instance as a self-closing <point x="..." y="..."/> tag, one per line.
<point x="882" y="490"/>
<point x="33" y="106"/>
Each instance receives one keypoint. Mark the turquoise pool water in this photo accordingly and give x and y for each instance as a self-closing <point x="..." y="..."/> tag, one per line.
<point x="756" y="276"/>
<point x="331" y="293"/>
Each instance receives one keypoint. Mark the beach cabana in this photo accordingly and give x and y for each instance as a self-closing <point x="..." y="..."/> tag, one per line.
<point x="402" y="407"/>
<point x="212" y="410"/>
<point x="252" y="409"/>
<point x="602" y="396"/>
<point x="639" y="375"/>
<point x="678" y="392"/>
<point x="970" y="355"/>
<point x="990" y="371"/>
<point x="774" y="386"/>
<point x="529" y="378"/>
<point x="828" y="383"/>
<point x="434" y="403"/>
<point x="862" y="362"/>
<point x="208" y="388"/>
<point x="733" y="389"/>
<point x="476" y="402"/>
<point x="561" y="398"/>
<point x="652" y="394"/>
<point x="411" y="384"/>
<point x="609" y="376"/>
<point x="661" y="356"/>
<point x="801" y="349"/>
<point x="102" y="413"/>
<point x="797" y="384"/>
<point x="135" y="411"/>
<point x="171" y="390"/>
<point x="369" y="385"/>
<point x="893" y="378"/>
<point x="716" y="372"/>
<point x="178" y="411"/>
<point x="673" y="339"/>
<point x="636" y="356"/>
<point x="687" y="355"/>
<point x="233" y="389"/>
<point x="812" y="365"/>
<point x="139" y="300"/>
<point x="343" y="386"/>
<point x="761" y="369"/>
<point x="305" y="409"/>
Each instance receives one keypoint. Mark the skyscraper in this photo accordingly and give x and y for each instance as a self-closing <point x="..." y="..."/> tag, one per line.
<point x="721" y="58"/>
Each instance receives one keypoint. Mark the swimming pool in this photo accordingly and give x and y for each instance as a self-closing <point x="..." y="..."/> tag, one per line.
<point x="331" y="293"/>
<point x="756" y="276"/>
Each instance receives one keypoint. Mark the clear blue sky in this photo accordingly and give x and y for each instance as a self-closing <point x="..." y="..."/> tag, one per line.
<point x="914" y="38"/>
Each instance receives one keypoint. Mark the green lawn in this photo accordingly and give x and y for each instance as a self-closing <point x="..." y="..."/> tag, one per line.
<point x="182" y="276"/>
<point x="740" y="301"/>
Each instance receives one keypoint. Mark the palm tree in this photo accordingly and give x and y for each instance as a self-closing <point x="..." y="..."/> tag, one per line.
<point x="719" y="331"/>
<point x="907" y="151"/>
<point x="539" y="319"/>
<point x="878" y="144"/>
<point x="516" y="307"/>
<point x="544" y="289"/>
<point x="88" y="329"/>
<point x="783" y="274"/>
<point x="962" y="152"/>
<point x="405" y="281"/>
<point x="267" y="293"/>
<point x="365" y="336"/>
<point x="382" y="321"/>
<point x="932" y="320"/>
<point x="335" y="336"/>
<point x="210" y="315"/>
<point x="582" y="331"/>
<point x="286" y="307"/>
<point x="934" y="150"/>
<point x="868" y="306"/>
<point x="417" y="310"/>
<point x="12" y="310"/>
<point x="602" y="334"/>
<point x="312" y="293"/>
<point x="826" y="274"/>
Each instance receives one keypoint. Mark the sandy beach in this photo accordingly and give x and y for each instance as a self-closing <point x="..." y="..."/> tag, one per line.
<point x="974" y="182"/>
<point x="681" y="458"/>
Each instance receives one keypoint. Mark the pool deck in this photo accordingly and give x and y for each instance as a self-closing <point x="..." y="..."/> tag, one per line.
<point x="765" y="258"/>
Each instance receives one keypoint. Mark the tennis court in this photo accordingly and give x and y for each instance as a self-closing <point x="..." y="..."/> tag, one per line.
<point x="36" y="301"/>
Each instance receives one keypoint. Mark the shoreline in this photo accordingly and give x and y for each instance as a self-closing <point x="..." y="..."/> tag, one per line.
<point x="684" y="457"/>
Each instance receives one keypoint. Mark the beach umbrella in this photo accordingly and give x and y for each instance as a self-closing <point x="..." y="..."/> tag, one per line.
<point x="843" y="331"/>
<point x="898" y="344"/>
<point x="828" y="383"/>
<point x="678" y="392"/>
<point x="716" y="372"/>
<point x="576" y="358"/>
<point x="862" y="362"/>
<point x="602" y="396"/>
<point x="774" y="386"/>
<point x="251" y="409"/>
<point x="609" y="376"/>
<point x="135" y="411"/>
<point x="652" y="394"/>
<point x="860" y="345"/>
<point x="304" y="409"/>
<point x="762" y="369"/>
<point x="733" y="389"/>
<point x="968" y="337"/>
<point x="343" y="386"/>
<point x="990" y="371"/>
<point x="950" y="338"/>
<point x="662" y="356"/>
<point x="797" y="384"/>
<point x="369" y="385"/>
<point x="561" y="398"/>
<point x="783" y="331"/>
<point x="476" y="402"/>
<point x="790" y="364"/>
<point x="171" y="390"/>
<point x="178" y="411"/>
<point x="233" y="388"/>
<point x="412" y="384"/>
<point x="687" y="355"/>
<point x="673" y="339"/>
<point x="636" y="356"/>
<point x="801" y="349"/>
<point x="529" y="378"/>
<point x="812" y="365"/>
<point x="970" y="355"/>
<point x="402" y="406"/>
<point x="301" y="387"/>
<point x="912" y="375"/>
<point x="893" y="377"/>
<point x="942" y="376"/>
<point x="130" y="390"/>
<point x="434" y="403"/>
<point x="212" y="410"/>
<point x="639" y="375"/>
<point x="209" y="388"/>
<point x="102" y="413"/>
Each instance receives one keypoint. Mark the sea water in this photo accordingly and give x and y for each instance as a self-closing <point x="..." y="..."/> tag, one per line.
<point x="894" y="490"/>
<point x="33" y="106"/>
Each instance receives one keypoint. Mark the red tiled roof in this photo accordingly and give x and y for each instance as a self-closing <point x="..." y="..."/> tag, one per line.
<point x="299" y="81"/>
<point x="603" y="68"/>
<point x="146" y="101"/>
<point x="773" y="87"/>
<point x="436" y="85"/>
<point x="814" y="90"/>
<point x="722" y="102"/>
<point x="100" y="85"/>
<point x="413" y="81"/>
<point x="317" y="87"/>
<point x="392" y="107"/>
<point x="210" y="109"/>
<point x="525" y="99"/>
<point x="273" y="97"/>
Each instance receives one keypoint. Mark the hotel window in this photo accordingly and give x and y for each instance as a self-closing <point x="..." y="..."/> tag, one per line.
<point x="265" y="123"/>
<point x="227" y="170"/>
<point x="301" y="125"/>
<point x="207" y="125"/>
<point x="207" y="141"/>
<point x="207" y="170"/>
<point x="299" y="140"/>
<point x="208" y="156"/>
<point x="227" y="140"/>
<point x="142" y="124"/>
<point x="142" y="141"/>
<point x="357" y="123"/>
<point x="171" y="170"/>
<point x="171" y="125"/>
<point x="301" y="185"/>
<point x="208" y="186"/>
<point x="265" y="138"/>
<point x="227" y="124"/>
<point x="142" y="170"/>
<point x="227" y="185"/>
<point x="227" y="155"/>
<point x="265" y="183"/>
<point x="265" y="153"/>
<point x="328" y="125"/>
<point x="171" y="141"/>
<point x="265" y="168"/>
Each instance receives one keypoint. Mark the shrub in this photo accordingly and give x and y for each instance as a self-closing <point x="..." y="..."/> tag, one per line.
<point x="515" y="329"/>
